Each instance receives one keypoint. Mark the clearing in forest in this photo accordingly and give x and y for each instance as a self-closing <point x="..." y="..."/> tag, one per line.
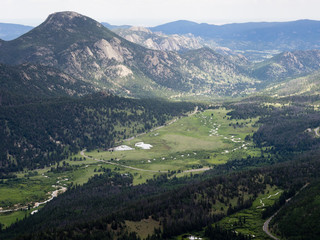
<point x="201" y="140"/>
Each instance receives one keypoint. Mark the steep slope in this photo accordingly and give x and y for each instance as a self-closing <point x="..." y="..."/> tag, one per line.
<point x="288" y="64"/>
<point x="9" y="31"/>
<point x="299" y="219"/>
<point x="84" y="49"/>
<point x="77" y="45"/>
<point x="34" y="81"/>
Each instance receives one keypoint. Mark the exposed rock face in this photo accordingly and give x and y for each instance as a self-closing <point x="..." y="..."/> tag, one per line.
<point x="84" y="49"/>
<point x="158" y="40"/>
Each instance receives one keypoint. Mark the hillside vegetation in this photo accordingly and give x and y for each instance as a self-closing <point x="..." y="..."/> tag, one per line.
<point x="300" y="218"/>
<point x="38" y="134"/>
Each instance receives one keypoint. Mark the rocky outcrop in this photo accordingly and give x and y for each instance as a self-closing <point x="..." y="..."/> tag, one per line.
<point x="85" y="50"/>
<point x="158" y="40"/>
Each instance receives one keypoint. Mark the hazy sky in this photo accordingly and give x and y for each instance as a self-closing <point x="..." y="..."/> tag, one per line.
<point x="155" y="12"/>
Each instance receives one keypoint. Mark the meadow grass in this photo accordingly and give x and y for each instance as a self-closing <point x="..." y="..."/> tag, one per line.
<point x="24" y="190"/>
<point x="188" y="142"/>
<point x="144" y="227"/>
<point x="9" y="218"/>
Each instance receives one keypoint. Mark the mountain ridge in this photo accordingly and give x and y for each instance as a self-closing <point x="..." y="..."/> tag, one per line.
<point x="10" y="31"/>
<point x="288" y="64"/>
<point x="283" y="36"/>
<point x="84" y="49"/>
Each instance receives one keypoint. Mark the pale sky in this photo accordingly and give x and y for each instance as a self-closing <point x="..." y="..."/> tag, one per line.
<point x="156" y="12"/>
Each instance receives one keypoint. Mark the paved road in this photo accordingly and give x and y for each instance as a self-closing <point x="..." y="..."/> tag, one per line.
<point x="266" y="227"/>
<point x="266" y="223"/>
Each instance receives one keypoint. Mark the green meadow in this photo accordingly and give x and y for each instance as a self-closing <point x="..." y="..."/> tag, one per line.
<point x="193" y="143"/>
<point x="202" y="140"/>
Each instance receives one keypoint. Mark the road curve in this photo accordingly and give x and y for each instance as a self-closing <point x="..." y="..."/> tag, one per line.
<point x="266" y="223"/>
<point x="266" y="227"/>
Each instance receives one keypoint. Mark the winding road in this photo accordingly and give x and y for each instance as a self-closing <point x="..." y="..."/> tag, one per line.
<point x="266" y="227"/>
<point x="266" y="223"/>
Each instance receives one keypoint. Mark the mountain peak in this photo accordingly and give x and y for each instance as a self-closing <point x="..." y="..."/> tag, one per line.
<point x="66" y="14"/>
<point x="67" y="19"/>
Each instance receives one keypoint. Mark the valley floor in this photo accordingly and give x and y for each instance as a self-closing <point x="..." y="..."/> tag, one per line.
<point x="183" y="146"/>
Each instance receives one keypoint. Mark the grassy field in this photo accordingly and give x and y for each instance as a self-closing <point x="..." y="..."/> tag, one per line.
<point x="144" y="227"/>
<point x="9" y="218"/>
<point x="195" y="142"/>
<point x="24" y="190"/>
<point x="204" y="139"/>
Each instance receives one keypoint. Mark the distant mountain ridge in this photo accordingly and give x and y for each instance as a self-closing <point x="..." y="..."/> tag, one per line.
<point x="111" y="27"/>
<point x="9" y="31"/>
<point x="256" y="40"/>
<point x="283" y="36"/>
<point x="158" y="41"/>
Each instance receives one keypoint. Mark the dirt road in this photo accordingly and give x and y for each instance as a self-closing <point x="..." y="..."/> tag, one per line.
<point x="138" y="169"/>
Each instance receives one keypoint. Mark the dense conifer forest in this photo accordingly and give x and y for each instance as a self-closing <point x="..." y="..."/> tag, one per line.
<point x="100" y="208"/>
<point x="179" y="205"/>
<point x="299" y="219"/>
<point x="36" y="135"/>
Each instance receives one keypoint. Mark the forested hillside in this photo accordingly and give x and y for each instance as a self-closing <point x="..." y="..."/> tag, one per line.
<point x="39" y="134"/>
<point x="201" y="201"/>
<point x="288" y="128"/>
<point x="29" y="82"/>
<point x="300" y="218"/>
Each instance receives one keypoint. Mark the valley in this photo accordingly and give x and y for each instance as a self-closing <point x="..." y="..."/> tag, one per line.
<point x="203" y="140"/>
<point x="180" y="131"/>
<point x="214" y="139"/>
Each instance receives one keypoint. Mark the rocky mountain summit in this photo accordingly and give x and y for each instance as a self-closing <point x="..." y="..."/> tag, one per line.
<point x="160" y="65"/>
<point x="84" y="49"/>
